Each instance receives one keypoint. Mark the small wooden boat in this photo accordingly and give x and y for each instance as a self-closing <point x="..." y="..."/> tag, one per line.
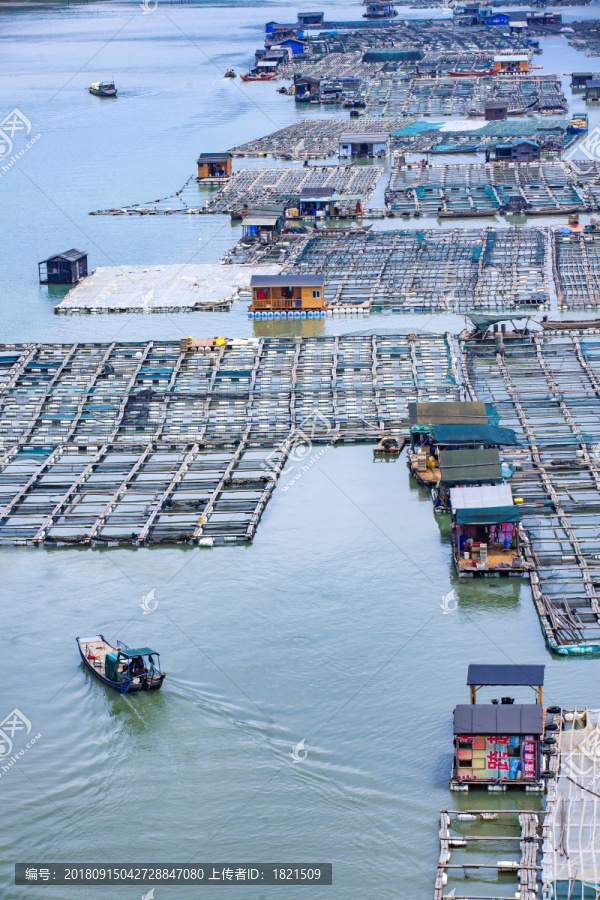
<point x="259" y="76"/>
<point x="122" y="668"/>
<point x="389" y="447"/>
<point x="230" y="74"/>
<point x="103" y="89"/>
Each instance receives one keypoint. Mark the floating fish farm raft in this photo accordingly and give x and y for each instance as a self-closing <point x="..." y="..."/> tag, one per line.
<point x="160" y="443"/>
<point x="576" y="264"/>
<point x="454" y="269"/>
<point x="539" y="188"/>
<point x="254" y="187"/>
<point x="446" y="96"/>
<point x="312" y="138"/>
<point x="551" y="135"/>
<point x="544" y="386"/>
<point x="469" y="843"/>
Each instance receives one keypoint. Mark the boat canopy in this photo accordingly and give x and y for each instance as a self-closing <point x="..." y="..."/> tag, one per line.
<point x="482" y="321"/>
<point x="505" y="675"/>
<point x="142" y="651"/>
<point x="489" y="504"/>
<point x="493" y="515"/>
<point x="470" y="466"/>
<point x="474" y="434"/>
<point x="499" y="718"/>
<point x="454" y="412"/>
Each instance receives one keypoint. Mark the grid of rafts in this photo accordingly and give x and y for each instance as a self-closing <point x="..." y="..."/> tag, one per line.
<point x="485" y="189"/>
<point x="254" y="187"/>
<point x="144" y="443"/>
<point x="311" y="138"/>
<point x="576" y="264"/>
<point x="447" y="96"/>
<point x="546" y="389"/>
<point x="430" y="269"/>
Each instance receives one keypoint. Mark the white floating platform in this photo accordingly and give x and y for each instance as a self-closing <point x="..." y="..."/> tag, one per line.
<point x="159" y="289"/>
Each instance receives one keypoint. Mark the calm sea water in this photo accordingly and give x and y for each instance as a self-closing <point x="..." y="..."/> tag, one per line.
<point x="328" y="628"/>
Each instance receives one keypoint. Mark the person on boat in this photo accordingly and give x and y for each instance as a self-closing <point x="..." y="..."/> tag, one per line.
<point x="137" y="666"/>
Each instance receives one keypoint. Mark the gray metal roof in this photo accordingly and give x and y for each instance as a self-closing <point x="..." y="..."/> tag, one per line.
<point x="368" y="137"/>
<point x="70" y="255"/>
<point x="505" y="674"/>
<point x="481" y="497"/>
<point x="287" y="281"/>
<point x="315" y="193"/>
<point x="261" y="220"/>
<point x="218" y="157"/>
<point x="499" y="718"/>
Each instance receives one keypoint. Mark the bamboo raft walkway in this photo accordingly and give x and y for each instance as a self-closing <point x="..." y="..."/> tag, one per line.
<point x="484" y="189"/>
<point x="138" y="443"/>
<point x="495" y="269"/>
<point x="576" y="267"/>
<point x="545" y="388"/>
<point x="510" y="829"/>
<point x="255" y="187"/>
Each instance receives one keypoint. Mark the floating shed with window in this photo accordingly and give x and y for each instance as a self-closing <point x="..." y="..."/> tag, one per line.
<point x="380" y="11"/>
<point x="495" y="110"/>
<point x="214" y="165"/>
<point x="263" y="228"/>
<point x="64" y="268"/>
<point x="306" y="88"/>
<point x="356" y="144"/>
<point x="499" y="745"/>
<point x="311" y="18"/>
<point x="287" y="292"/>
<point x="592" y="89"/>
<point x="578" y="79"/>
<point x="511" y="62"/>
<point x="485" y="530"/>
<point x="515" y="151"/>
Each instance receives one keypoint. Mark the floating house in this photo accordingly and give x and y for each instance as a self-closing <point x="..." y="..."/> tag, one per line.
<point x="592" y="89"/>
<point x="499" y="745"/>
<point x="262" y="228"/>
<point x="307" y="89"/>
<point x="517" y="26"/>
<point x="485" y="530"/>
<point x="380" y="10"/>
<point x="278" y="32"/>
<point x="544" y="18"/>
<point x="287" y="292"/>
<point x="511" y="63"/>
<point x="325" y="203"/>
<point x="293" y="43"/>
<point x="214" y="165"/>
<point x="497" y="19"/>
<point x="579" y="79"/>
<point x="423" y="456"/>
<point x="356" y="144"/>
<point x="495" y="110"/>
<point x="515" y="151"/>
<point x="311" y="18"/>
<point x="64" y="268"/>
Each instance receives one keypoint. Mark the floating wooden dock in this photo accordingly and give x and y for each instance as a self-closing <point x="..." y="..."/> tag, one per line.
<point x="161" y="289"/>
<point x="151" y="443"/>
